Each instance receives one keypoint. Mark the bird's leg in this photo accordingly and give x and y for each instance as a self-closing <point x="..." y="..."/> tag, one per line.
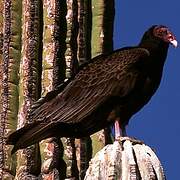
<point x="120" y="133"/>
<point x="119" y="130"/>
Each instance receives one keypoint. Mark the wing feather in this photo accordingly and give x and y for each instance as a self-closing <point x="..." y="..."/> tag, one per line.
<point x="93" y="85"/>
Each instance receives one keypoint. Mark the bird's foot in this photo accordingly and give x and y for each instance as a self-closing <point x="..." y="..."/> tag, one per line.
<point x="131" y="139"/>
<point x="121" y="135"/>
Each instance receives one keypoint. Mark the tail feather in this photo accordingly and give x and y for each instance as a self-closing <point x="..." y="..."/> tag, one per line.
<point x="28" y="135"/>
<point x="14" y="137"/>
<point x="35" y="132"/>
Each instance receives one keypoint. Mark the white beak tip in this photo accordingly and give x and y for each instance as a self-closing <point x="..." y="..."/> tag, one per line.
<point x="174" y="43"/>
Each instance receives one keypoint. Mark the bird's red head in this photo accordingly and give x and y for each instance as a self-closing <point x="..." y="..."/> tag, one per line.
<point x="165" y="34"/>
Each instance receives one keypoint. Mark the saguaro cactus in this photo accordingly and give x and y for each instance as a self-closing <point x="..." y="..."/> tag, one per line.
<point x="29" y="82"/>
<point x="11" y="55"/>
<point x="42" y="43"/>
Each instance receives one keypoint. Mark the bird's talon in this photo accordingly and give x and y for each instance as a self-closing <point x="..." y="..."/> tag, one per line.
<point x="132" y="139"/>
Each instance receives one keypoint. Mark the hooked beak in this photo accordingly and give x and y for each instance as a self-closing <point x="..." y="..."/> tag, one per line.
<point x="171" y="39"/>
<point x="174" y="43"/>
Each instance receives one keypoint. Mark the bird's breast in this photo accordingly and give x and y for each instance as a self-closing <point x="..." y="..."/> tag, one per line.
<point x="141" y="97"/>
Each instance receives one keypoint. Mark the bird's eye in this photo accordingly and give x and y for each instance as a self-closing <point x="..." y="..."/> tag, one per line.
<point x="162" y="32"/>
<point x="165" y="32"/>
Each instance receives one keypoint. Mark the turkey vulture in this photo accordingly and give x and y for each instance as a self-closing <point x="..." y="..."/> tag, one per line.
<point x="110" y="88"/>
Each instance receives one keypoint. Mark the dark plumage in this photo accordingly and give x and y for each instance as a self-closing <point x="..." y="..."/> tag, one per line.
<point x="109" y="87"/>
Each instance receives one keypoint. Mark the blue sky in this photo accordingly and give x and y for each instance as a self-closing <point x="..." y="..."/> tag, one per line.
<point x="158" y="123"/>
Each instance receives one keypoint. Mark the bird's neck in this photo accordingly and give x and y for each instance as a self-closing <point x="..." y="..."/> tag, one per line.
<point x="158" y="52"/>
